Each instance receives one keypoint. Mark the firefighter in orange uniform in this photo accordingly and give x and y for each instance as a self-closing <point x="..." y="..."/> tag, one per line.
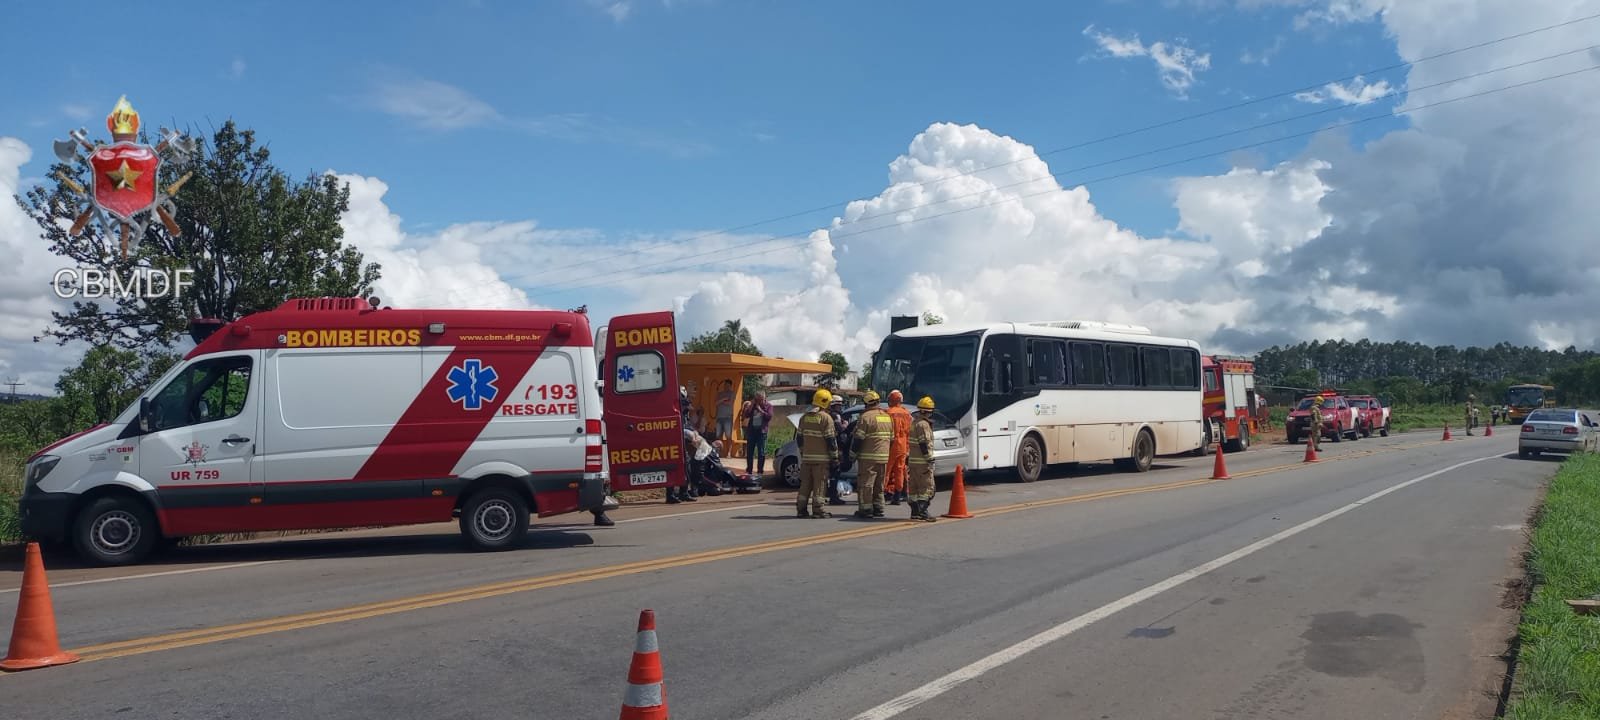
<point x="894" y="486"/>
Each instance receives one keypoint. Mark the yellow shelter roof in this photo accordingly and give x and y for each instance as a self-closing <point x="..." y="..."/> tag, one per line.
<point x="746" y="364"/>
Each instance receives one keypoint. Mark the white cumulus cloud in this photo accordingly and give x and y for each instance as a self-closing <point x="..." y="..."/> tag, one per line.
<point x="1176" y="63"/>
<point x="1356" y="92"/>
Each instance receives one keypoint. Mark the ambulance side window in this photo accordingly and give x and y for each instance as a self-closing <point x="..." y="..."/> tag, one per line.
<point x="207" y="391"/>
<point x="639" y="372"/>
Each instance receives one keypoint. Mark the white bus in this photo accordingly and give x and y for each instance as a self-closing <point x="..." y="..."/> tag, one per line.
<point x="1027" y="395"/>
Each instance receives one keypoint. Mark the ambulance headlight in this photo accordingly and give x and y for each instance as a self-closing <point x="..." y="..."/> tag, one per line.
<point x="41" y="467"/>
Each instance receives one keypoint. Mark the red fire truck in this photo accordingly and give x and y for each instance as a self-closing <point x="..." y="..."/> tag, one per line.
<point x="1230" y="404"/>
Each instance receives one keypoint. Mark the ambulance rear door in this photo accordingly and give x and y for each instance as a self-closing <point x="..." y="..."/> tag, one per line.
<point x="644" y="436"/>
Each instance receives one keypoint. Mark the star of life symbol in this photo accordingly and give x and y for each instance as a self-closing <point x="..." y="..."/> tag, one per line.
<point x="472" y="384"/>
<point x="625" y="373"/>
<point x="195" y="453"/>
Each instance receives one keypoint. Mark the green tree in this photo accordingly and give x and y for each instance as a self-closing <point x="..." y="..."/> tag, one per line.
<point x="252" y="236"/>
<point x="866" y="374"/>
<point x="840" y="368"/>
<point x="732" y="337"/>
<point x="108" y="379"/>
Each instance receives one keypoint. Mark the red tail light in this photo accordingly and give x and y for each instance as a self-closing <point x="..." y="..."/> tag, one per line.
<point x="1569" y="430"/>
<point x="1527" y="428"/>
<point x="593" y="451"/>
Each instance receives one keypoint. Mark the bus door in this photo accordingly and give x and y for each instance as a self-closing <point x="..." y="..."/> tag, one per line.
<point x="642" y="415"/>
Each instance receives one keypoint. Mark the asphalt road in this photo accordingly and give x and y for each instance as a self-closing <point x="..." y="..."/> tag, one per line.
<point x="1364" y="586"/>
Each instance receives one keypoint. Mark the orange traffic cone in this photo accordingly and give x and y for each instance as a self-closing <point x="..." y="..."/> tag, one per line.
<point x="34" y="643"/>
<point x="1447" y="432"/>
<point x="958" y="497"/>
<point x="1311" y="451"/>
<point x="646" y="698"/>
<point x="1488" y="431"/>
<point x="1219" y="469"/>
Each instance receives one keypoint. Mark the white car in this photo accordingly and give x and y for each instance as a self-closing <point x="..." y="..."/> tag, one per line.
<point x="1561" y="430"/>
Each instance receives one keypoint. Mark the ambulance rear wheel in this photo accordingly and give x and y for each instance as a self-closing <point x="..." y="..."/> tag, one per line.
<point x="494" y="518"/>
<point x="114" y="530"/>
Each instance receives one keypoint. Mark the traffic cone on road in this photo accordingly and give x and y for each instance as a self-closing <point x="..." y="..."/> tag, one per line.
<point x="647" y="697"/>
<point x="1219" y="469"/>
<point x="1311" y="452"/>
<point x="34" y="642"/>
<point x="958" y="496"/>
<point x="1446" y="432"/>
<point x="1488" y="431"/>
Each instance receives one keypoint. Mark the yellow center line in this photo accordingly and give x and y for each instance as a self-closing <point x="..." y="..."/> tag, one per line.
<point x="221" y="633"/>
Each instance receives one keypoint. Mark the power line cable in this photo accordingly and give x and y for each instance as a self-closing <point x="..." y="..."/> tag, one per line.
<point x="1370" y="118"/>
<point x="1058" y="174"/>
<point x="1118" y="135"/>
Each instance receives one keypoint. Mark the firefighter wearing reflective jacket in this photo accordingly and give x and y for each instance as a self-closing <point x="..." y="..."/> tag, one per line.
<point x="919" y="462"/>
<point x="1472" y="413"/>
<point x="874" y="431"/>
<point x="1314" y="423"/>
<point x="895" y="485"/>
<point x="819" y="452"/>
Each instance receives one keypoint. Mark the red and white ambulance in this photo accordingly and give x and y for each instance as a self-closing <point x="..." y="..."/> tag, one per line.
<point x="333" y="413"/>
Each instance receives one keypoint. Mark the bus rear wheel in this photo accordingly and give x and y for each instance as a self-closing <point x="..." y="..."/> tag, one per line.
<point x="1144" y="453"/>
<point x="1030" y="459"/>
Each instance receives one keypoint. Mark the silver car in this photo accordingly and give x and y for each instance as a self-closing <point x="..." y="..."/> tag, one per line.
<point x="1562" y="430"/>
<point x="949" y="449"/>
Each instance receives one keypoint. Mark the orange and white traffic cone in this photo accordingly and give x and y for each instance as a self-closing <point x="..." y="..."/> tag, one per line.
<point x="958" y="496"/>
<point x="1447" y="432"/>
<point x="1311" y="451"/>
<point x="1219" y="469"/>
<point x="34" y="643"/>
<point x="646" y="698"/>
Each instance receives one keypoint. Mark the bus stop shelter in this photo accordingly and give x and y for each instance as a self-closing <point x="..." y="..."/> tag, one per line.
<point x="704" y="373"/>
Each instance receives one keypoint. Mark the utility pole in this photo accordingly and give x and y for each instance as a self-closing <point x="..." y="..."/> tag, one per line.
<point x="13" y="383"/>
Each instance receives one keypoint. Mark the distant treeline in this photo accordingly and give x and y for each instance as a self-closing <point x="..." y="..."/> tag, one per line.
<point x="1413" y="373"/>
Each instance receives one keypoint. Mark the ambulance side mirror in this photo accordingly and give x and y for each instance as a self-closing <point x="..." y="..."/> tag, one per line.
<point x="145" y="408"/>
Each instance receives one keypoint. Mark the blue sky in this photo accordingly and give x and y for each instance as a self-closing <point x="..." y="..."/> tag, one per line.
<point x="490" y="145"/>
<point x="682" y="115"/>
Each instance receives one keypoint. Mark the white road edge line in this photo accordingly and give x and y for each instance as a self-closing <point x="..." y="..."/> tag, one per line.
<point x="693" y="512"/>
<point x="944" y="684"/>
<point x="185" y="571"/>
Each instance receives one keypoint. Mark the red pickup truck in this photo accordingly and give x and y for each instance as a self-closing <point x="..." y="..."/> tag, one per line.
<point x="1339" y="420"/>
<point x="1372" y="414"/>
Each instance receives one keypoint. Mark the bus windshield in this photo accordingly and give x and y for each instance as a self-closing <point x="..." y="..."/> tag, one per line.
<point x="1525" y="396"/>
<point x="938" y="367"/>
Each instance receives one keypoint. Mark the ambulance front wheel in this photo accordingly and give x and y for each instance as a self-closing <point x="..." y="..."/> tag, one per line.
<point x="494" y="518"/>
<point x="115" y="530"/>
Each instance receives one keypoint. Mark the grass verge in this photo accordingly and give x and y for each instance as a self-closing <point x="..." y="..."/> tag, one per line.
<point x="1558" y="663"/>
<point x="10" y="489"/>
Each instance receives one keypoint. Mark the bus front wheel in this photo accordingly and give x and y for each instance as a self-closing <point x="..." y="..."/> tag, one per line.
<point x="1030" y="459"/>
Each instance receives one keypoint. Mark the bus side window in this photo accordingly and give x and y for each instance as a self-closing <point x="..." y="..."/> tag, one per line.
<point x="991" y="374"/>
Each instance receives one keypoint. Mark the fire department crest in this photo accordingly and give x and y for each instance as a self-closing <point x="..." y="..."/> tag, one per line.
<point x="195" y="453"/>
<point x="123" y="189"/>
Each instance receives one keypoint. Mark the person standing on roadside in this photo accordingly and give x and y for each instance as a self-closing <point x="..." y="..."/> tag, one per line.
<point x="1314" y="424"/>
<point x="1472" y="413"/>
<point x="725" y="411"/>
<point x="836" y="472"/>
<point x="894" y="485"/>
<point x="874" y="431"/>
<point x="819" y="454"/>
<point x="919" y="461"/>
<point x="757" y="417"/>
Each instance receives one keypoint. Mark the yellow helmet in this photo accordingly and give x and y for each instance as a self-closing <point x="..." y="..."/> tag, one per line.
<point x="822" y="398"/>
<point x="926" y="403"/>
<point x="1318" y="401"/>
<point x="871" y="397"/>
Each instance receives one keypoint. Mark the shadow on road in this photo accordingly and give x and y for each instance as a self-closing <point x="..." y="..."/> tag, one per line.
<point x="322" y="546"/>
